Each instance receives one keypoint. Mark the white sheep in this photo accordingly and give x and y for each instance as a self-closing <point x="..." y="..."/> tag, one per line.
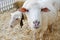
<point x="42" y="13"/>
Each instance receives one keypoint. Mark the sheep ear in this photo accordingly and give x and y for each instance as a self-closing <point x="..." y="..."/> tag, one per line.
<point x="45" y="10"/>
<point x="23" y="10"/>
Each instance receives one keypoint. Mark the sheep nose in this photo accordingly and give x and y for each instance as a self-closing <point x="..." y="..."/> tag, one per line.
<point x="36" y="24"/>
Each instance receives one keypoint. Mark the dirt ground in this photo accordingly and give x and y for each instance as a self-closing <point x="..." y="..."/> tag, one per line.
<point x="24" y="33"/>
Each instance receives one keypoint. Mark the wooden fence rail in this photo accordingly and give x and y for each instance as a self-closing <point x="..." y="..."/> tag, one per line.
<point x="6" y="4"/>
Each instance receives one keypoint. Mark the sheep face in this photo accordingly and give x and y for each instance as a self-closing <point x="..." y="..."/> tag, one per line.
<point x="14" y="17"/>
<point x="34" y="17"/>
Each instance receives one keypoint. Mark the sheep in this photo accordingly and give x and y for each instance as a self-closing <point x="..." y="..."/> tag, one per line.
<point x="16" y="15"/>
<point x="43" y="15"/>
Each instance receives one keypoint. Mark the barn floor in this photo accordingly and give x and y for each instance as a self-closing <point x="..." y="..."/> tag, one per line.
<point x="24" y="33"/>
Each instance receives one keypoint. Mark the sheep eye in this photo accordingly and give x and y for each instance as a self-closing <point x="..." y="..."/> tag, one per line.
<point x="45" y="10"/>
<point x="27" y="10"/>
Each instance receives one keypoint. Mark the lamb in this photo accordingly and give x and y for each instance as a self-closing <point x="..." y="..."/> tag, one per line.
<point x="15" y="16"/>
